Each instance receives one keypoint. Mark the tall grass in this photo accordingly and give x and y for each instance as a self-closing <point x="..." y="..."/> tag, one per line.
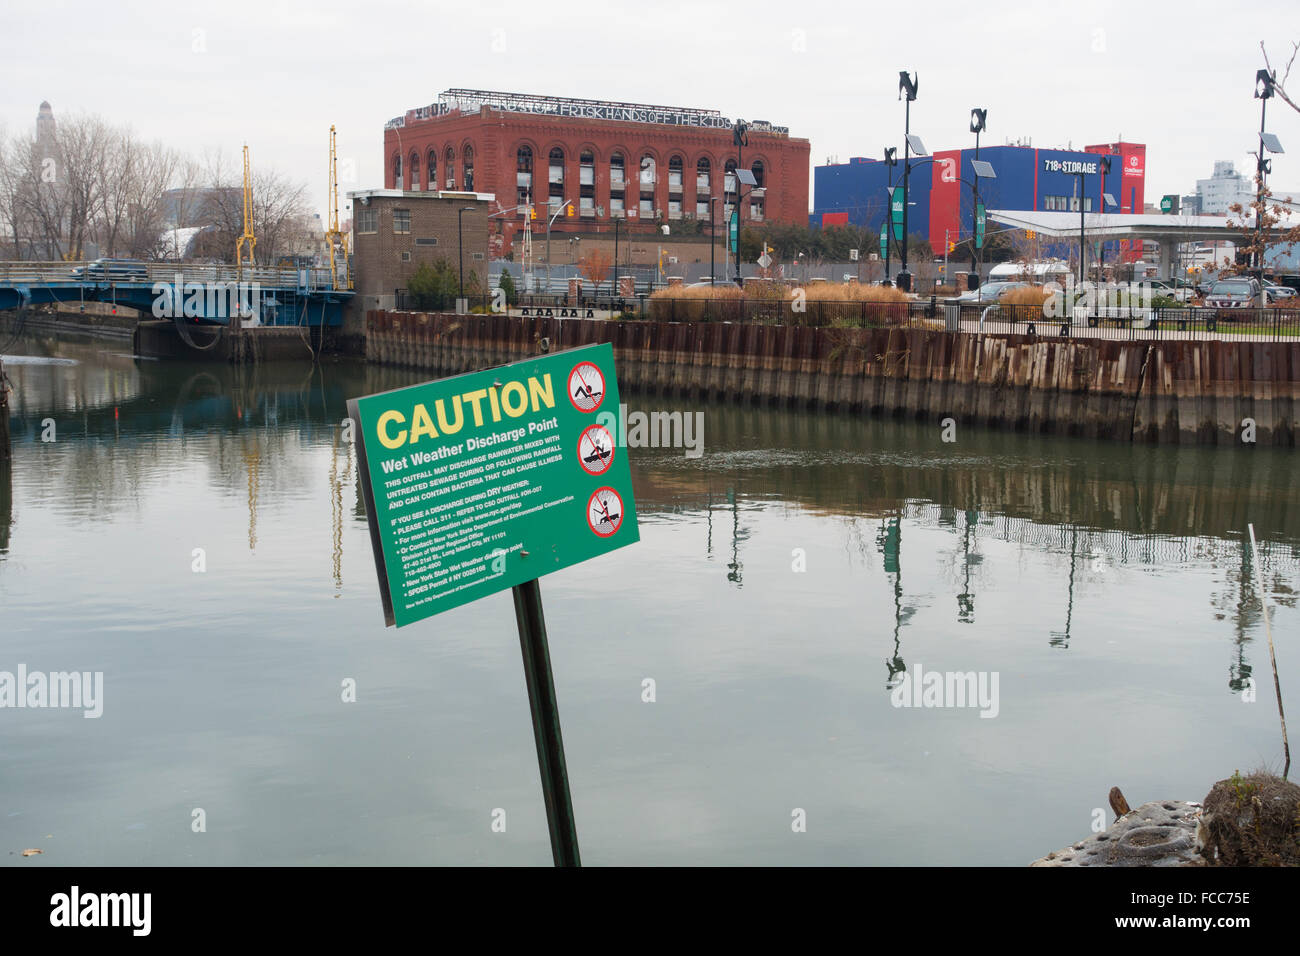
<point x="818" y="304"/>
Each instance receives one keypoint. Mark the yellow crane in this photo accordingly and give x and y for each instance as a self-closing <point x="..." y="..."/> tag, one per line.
<point x="334" y="237"/>
<point x="246" y="238"/>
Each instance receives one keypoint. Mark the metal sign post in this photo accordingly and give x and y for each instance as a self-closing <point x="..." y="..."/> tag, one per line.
<point x="546" y="723"/>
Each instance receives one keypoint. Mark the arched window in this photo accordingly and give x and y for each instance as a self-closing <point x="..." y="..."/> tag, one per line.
<point x="555" y="179"/>
<point x="617" y="185"/>
<point x="703" y="177"/>
<point x="729" y="179"/>
<point x="587" y="183"/>
<point x="756" y="194"/>
<point x="433" y="168"/>
<point x="675" y="174"/>
<point x="397" y="171"/>
<point x="415" y="171"/>
<point x="467" y="167"/>
<point x="648" y="177"/>
<point x="450" y="171"/>
<point x="523" y="175"/>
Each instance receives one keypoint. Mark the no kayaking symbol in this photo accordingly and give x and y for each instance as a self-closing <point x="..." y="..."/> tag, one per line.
<point x="595" y="449"/>
<point x="605" y="512"/>
<point x="586" y="387"/>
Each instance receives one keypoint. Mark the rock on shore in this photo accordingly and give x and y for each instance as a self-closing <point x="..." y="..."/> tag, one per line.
<point x="1160" y="833"/>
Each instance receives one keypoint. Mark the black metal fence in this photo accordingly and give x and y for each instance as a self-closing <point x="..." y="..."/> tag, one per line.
<point x="933" y="313"/>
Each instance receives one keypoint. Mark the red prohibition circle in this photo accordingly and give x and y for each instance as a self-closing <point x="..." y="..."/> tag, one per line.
<point x="600" y="516"/>
<point x="586" y="383"/>
<point x="597" y="459"/>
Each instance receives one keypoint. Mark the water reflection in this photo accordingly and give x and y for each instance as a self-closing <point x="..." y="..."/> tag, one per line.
<point x="1088" y="573"/>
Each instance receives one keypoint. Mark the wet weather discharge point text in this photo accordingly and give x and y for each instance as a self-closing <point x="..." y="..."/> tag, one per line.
<point x="486" y="481"/>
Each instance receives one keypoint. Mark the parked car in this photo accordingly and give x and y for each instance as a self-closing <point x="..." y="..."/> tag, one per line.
<point x="989" y="292"/>
<point x="130" y="270"/>
<point x="1280" y="293"/>
<point x="1240" y="292"/>
<point x="1180" y="289"/>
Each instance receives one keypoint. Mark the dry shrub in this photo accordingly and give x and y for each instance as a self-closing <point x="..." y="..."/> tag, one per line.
<point x="824" y="304"/>
<point x="1251" y="821"/>
<point x="1034" y="295"/>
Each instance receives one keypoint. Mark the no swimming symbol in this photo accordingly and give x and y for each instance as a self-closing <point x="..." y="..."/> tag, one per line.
<point x="586" y="387"/>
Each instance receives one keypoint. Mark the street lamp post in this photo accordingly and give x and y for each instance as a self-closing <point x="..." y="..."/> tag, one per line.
<point x="460" y="246"/>
<point x="740" y="138"/>
<point x="907" y="86"/>
<point x="1103" y="167"/>
<point x="978" y="120"/>
<point x="713" y="235"/>
<point x="618" y="220"/>
<point x="891" y="160"/>
<point x="1264" y="83"/>
<point x="554" y="216"/>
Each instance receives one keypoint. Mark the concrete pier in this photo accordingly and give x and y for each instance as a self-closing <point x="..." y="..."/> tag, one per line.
<point x="159" y="339"/>
<point x="1188" y="392"/>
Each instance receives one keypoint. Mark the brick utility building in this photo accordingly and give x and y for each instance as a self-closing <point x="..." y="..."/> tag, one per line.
<point x="394" y="232"/>
<point x="646" y="165"/>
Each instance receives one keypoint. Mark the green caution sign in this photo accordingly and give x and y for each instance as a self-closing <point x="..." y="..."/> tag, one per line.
<point x="481" y="482"/>
<point x="979" y="225"/>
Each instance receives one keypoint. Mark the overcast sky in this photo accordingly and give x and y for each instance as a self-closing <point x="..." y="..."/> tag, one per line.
<point x="1177" y="76"/>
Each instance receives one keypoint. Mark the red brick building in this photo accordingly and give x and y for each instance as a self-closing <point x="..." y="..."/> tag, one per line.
<point x="647" y="165"/>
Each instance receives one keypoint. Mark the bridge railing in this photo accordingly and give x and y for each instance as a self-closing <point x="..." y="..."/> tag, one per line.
<point x="312" y="280"/>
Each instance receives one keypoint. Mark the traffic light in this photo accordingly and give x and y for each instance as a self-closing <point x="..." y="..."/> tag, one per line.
<point x="951" y="245"/>
<point x="1030" y="234"/>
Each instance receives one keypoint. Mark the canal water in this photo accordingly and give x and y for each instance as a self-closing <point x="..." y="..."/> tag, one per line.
<point x="195" y="533"/>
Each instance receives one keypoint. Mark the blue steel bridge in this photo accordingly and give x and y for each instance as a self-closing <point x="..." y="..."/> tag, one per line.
<point x="191" y="294"/>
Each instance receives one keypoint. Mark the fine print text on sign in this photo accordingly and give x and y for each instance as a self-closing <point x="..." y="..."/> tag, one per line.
<point x="480" y="482"/>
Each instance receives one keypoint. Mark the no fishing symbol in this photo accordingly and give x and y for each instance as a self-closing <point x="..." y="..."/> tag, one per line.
<point x="586" y="387"/>
<point x="595" y="449"/>
<point x="605" y="512"/>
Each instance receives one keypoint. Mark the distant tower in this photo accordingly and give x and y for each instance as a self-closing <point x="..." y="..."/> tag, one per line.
<point x="45" y="130"/>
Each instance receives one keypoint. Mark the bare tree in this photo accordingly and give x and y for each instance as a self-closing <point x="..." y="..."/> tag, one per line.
<point x="12" y="186"/>
<point x="83" y="142"/>
<point x="1279" y="86"/>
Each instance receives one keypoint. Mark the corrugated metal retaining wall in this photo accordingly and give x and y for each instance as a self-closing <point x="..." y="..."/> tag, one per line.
<point x="1188" y="392"/>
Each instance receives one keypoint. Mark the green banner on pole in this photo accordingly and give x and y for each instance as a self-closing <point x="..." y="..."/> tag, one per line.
<point x="979" y="225"/>
<point x="477" y="483"/>
<point x="896" y="211"/>
<point x="733" y="232"/>
<point x="884" y="240"/>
